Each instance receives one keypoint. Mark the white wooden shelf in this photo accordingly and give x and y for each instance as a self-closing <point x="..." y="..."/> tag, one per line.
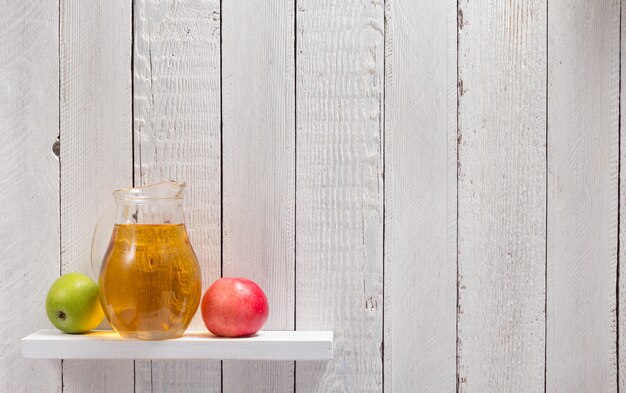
<point x="265" y="345"/>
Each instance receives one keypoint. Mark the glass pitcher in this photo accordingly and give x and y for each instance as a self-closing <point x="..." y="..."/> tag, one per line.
<point x="150" y="282"/>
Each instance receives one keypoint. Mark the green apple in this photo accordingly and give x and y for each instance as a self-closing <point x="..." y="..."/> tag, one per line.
<point x="73" y="305"/>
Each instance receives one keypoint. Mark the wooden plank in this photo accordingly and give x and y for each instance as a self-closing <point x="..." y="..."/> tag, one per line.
<point x="339" y="190"/>
<point x="200" y="344"/>
<point x="259" y="170"/>
<point x="177" y="137"/>
<point x="502" y="195"/>
<point x="583" y="94"/>
<point x="420" y="196"/>
<point x="29" y="173"/>
<point x="96" y="149"/>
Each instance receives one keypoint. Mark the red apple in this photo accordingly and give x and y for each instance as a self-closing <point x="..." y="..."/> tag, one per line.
<point x="234" y="307"/>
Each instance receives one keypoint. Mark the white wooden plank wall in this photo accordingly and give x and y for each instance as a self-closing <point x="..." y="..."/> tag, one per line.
<point x="177" y="137"/>
<point x="583" y="146"/>
<point x="29" y="177"/>
<point x="420" y="196"/>
<point x="435" y="181"/>
<point x="258" y="170"/>
<point x="339" y="190"/>
<point x="502" y="196"/>
<point x="96" y="149"/>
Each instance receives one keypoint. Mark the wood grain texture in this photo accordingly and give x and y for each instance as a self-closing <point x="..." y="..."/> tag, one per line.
<point x="96" y="149"/>
<point x="502" y="195"/>
<point x="177" y="137"/>
<point x="29" y="177"/>
<point x="339" y="190"/>
<point x="259" y="170"/>
<point x="583" y="92"/>
<point x="420" y="196"/>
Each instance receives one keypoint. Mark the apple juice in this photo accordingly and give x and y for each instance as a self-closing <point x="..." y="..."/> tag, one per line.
<point x="150" y="282"/>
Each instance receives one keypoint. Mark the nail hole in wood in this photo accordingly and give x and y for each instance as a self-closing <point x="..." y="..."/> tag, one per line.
<point x="56" y="148"/>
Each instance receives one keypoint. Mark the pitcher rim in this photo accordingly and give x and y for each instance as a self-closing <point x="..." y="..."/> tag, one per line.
<point x="167" y="190"/>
